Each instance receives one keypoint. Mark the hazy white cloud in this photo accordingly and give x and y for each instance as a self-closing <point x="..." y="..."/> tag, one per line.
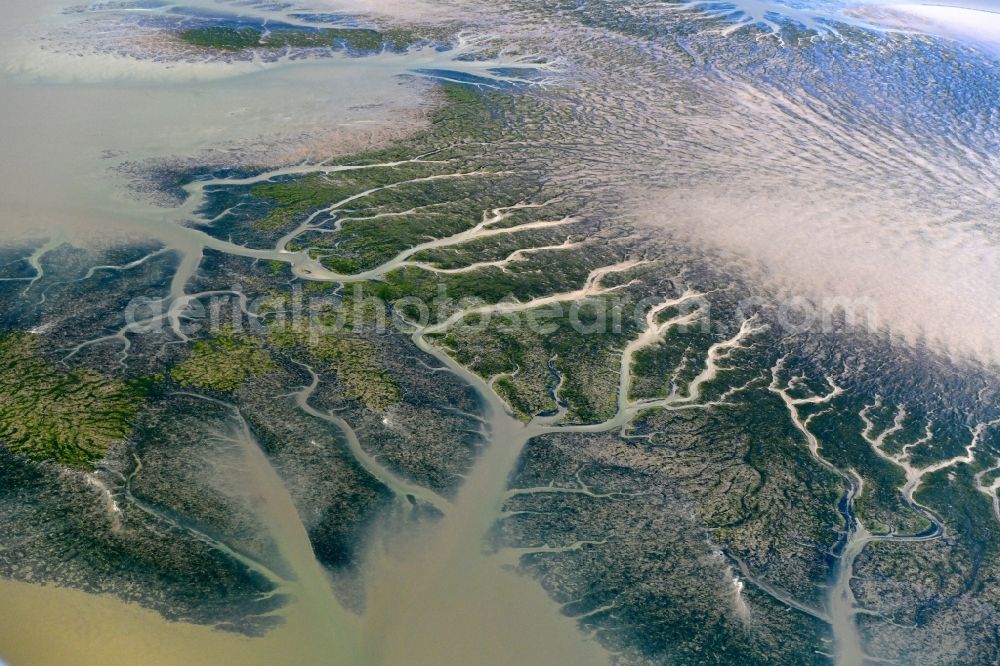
<point x="918" y="278"/>
<point x="977" y="24"/>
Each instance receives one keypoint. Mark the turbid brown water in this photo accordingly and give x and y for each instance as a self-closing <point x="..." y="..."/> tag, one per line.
<point x="66" y="124"/>
<point x="438" y="599"/>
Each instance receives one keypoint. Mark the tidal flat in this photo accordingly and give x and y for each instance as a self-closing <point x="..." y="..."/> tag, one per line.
<point x="432" y="350"/>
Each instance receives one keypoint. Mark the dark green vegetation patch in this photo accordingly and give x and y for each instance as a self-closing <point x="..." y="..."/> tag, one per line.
<point x="71" y="418"/>
<point x="223" y="363"/>
<point x="352" y="39"/>
<point x="352" y="358"/>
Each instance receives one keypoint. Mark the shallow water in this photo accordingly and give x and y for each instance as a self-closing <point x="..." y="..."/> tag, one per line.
<point x="101" y="629"/>
<point x="444" y="601"/>
<point x="67" y="125"/>
<point x="70" y="121"/>
<point x="439" y="599"/>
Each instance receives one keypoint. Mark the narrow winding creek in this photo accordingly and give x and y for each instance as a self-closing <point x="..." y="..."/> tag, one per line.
<point x="430" y="608"/>
<point x="431" y="604"/>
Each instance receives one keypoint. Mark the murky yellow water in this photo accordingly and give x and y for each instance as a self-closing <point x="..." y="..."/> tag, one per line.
<point x="436" y="600"/>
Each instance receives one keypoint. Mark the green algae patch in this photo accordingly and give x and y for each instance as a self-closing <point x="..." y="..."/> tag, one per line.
<point x="71" y="418"/>
<point x="223" y="39"/>
<point x="353" y="359"/>
<point x="294" y="198"/>
<point x="223" y="363"/>
<point x="356" y="40"/>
